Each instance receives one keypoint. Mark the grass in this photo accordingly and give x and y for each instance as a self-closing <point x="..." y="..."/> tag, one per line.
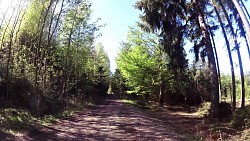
<point x="132" y="102"/>
<point x="16" y="121"/>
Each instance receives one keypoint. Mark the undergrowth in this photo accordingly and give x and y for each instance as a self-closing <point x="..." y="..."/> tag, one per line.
<point x="128" y="101"/>
<point x="14" y="121"/>
<point x="203" y="111"/>
<point x="241" y="118"/>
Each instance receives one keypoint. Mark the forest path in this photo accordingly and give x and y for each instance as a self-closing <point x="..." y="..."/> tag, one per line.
<point x="113" y="120"/>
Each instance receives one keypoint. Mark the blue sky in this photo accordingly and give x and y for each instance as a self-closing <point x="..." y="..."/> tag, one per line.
<point x="119" y="14"/>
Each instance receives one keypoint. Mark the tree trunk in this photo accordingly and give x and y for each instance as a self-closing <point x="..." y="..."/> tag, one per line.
<point x="217" y="61"/>
<point x="230" y="58"/>
<point x="238" y="54"/>
<point x="248" y="48"/>
<point x="213" y="75"/>
<point x="242" y="78"/>
<point x="37" y="56"/>
<point x="244" y="35"/>
<point x="243" y="18"/>
<point x="162" y="91"/>
<point x="242" y="3"/>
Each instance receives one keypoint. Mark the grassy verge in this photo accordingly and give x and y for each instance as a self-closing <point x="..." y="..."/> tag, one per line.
<point x="14" y="121"/>
<point x="17" y="121"/>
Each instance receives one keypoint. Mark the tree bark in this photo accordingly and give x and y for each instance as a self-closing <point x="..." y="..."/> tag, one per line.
<point x="217" y="61"/>
<point x="243" y="18"/>
<point x="230" y="59"/>
<point x="245" y="36"/>
<point x="238" y="54"/>
<point x="213" y="75"/>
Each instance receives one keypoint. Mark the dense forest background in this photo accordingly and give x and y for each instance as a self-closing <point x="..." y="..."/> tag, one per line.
<point x="49" y="61"/>
<point x="48" y="56"/>
<point x="153" y="61"/>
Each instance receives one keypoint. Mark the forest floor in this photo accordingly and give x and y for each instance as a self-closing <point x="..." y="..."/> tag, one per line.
<point x="116" y="120"/>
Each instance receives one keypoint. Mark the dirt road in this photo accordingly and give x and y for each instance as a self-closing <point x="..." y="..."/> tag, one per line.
<point x="113" y="120"/>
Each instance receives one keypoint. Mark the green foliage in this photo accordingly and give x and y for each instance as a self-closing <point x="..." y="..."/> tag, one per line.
<point x="102" y="69"/>
<point x="48" y="62"/>
<point x="31" y="20"/>
<point x="17" y="120"/>
<point x="146" y="69"/>
<point x="203" y="111"/>
<point x="48" y="119"/>
<point x="226" y="87"/>
<point x="137" y="62"/>
<point x="118" y="84"/>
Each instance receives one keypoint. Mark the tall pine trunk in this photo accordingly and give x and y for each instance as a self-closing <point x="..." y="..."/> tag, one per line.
<point x="243" y="18"/>
<point x="244" y="35"/>
<point x="243" y="5"/>
<point x="230" y="58"/>
<point x="213" y="75"/>
<point x="238" y="54"/>
<point x="217" y="61"/>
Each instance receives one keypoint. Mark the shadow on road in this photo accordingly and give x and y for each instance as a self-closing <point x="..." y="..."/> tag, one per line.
<point x="113" y="120"/>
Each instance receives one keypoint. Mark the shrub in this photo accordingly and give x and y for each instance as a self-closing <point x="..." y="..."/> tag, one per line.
<point x="241" y="118"/>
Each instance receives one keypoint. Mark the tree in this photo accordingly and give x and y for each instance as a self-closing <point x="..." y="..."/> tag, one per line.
<point x="49" y="45"/>
<point x="172" y="19"/>
<point x="236" y="47"/>
<point x="137" y="66"/>
<point x="144" y="65"/>
<point x="211" y="58"/>
<point x="101" y="69"/>
<point x="230" y="57"/>
<point x="244" y="20"/>
<point x="130" y="63"/>
<point x="118" y="84"/>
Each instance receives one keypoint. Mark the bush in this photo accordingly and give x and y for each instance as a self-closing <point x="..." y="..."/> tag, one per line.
<point x="241" y="118"/>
